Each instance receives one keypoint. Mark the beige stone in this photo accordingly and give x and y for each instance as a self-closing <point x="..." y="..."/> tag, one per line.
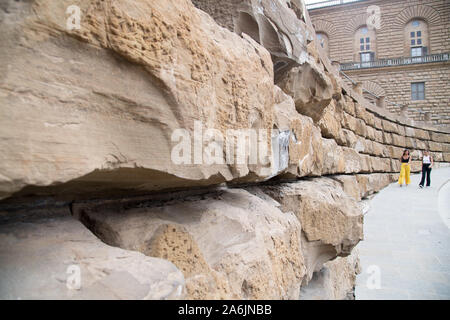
<point x="361" y="128"/>
<point x="229" y="245"/>
<point x="330" y="122"/>
<point x="349" y="106"/>
<point x="422" y="134"/>
<point x="349" y="122"/>
<point x="398" y="140"/>
<point x="43" y="254"/>
<point x="387" y="138"/>
<point x="331" y="220"/>
<point x="310" y="88"/>
<point x="371" y="183"/>
<point x="378" y="136"/>
<point x="350" y="138"/>
<point x="272" y="24"/>
<point x="446" y="157"/>
<point x="440" y="137"/>
<point x="96" y="107"/>
<point x="446" y="147"/>
<point x="434" y="146"/>
<point x="389" y="126"/>
<point x="349" y="185"/>
<point x="335" y="281"/>
<point x="305" y="143"/>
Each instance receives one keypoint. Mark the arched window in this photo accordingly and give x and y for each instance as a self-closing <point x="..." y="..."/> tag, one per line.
<point x="416" y="38"/>
<point x="322" y="40"/>
<point x="365" y="44"/>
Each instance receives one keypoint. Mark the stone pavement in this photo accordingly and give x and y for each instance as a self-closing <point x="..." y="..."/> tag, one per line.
<point x="407" y="242"/>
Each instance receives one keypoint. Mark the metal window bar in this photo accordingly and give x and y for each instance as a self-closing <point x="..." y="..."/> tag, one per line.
<point x="329" y="3"/>
<point x="438" y="57"/>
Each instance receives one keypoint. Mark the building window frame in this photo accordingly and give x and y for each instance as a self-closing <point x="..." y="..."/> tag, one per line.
<point x="366" y="56"/>
<point x="417" y="38"/>
<point x="417" y="52"/>
<point x="418" y="91"/>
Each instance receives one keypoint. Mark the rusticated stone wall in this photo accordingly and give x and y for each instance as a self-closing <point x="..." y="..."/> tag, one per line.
<point x="392" y="40"/>
<point x="87" y="126"/>
<point x="436" y="87"/>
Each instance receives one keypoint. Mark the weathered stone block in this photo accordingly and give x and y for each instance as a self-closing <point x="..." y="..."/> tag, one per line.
<point x="435" y="146"/>
<point x="398" y="140"/>
<point x="440" y="137"/>
<point x="446" y="157"/>
<point x="389" y="126"/>
<point x="42" y="254"/>
<point x="224" y="249"/>
<point x="387" y="138"/>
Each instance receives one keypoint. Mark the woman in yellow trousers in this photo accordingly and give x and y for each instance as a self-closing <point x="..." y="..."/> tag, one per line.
<point x="405" y="169"/>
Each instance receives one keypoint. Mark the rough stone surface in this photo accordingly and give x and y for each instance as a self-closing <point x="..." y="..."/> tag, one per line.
<point x="310" y="87"/>
<point x="141" y="69"/>
<point x="88" y="115"/>
<point x="335" y="281"/>
<point x="331" y="220"/>
<point x="39" y="256"/>
<point x="229" y="245"/>
<point x="275" y="25"/>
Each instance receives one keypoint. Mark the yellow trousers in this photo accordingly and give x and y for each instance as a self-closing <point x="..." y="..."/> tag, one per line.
<point x="404" y="174"/>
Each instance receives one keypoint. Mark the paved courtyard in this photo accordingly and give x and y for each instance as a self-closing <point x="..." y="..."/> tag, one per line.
<point x="407" y="242"/>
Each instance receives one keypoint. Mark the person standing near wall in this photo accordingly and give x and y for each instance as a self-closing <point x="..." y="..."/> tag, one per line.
<point x="427" y="164"/>
<point x="405" y="169"/>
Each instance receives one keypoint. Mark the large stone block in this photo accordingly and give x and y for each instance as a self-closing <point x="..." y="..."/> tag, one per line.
<point x="410" y="142"/>
<point x="310" y="87"/>
<point x="398" y="140"/>
<point x="387" y="138"/>
<point x="371" y="183"/>
<point x="350" y="138"/>
<point x="438" y="156"/>
<point x="305" y="142"/>
<point x="389" y="126"/>
<point x="446" y="147"/>
<point x="97" y="107"/>
<point x="435" y="146"/>
<point x="446" y="157"/>
<point x="332" y="159"/>
<point x="51" y="255"/>
<point x="349" y="122"/>
<point x="330" y="123"/>
<point x="349" y="105"/>
<point x="273" y="24"/>
<point x="440" y="137"/>
<point x="352" y="161"/>
<point x="335" y="281"/>
<point x="331" y="220"/>
<point x="370" y="133"/>
<point x="395" y="152"/>
<point x="378" y="136"/>
<point x="229" y="244"/>
<point x="421" y="134"/>
<point x="361" y="128"/>
<point x="349" y="184"/>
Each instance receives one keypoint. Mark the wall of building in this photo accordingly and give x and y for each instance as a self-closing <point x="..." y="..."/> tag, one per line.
<point x="340" y="23"/>
<point x="396" y="83"/>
